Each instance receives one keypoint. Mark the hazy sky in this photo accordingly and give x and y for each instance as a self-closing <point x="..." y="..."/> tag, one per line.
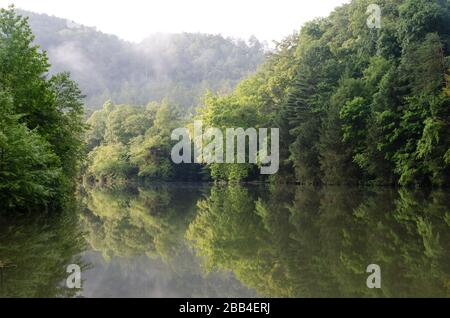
<point x="133" y="20"/>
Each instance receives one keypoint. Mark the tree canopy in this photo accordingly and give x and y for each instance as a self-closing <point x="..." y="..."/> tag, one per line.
<point x="355" y="105"/>
<point x="41" y="122"/>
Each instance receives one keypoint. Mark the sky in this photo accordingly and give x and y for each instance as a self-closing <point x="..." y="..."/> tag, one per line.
<point x="134" y="20"/>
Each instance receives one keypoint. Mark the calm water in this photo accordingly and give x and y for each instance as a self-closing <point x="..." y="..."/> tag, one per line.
<point x="234" y="241"/>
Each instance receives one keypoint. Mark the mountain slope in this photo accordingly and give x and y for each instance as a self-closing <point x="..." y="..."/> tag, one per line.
<point x="180" y="67"/>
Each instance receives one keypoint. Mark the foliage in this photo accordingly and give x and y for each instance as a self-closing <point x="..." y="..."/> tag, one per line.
<point x="354" y="105"/>
<point x="41" y="123"/>
<point x="254" y="103"/>
<point x="28" y="167"/>
<point x="109" y="161"/>
<point x="131" y="142"/>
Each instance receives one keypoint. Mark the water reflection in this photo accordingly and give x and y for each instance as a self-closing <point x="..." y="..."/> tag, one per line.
<point x="234" y="241"/>
<point x="131" y="222"/>
<point x="319" y="243"/>
<point x="35" y="253"/>
<point x="139" y="249"/>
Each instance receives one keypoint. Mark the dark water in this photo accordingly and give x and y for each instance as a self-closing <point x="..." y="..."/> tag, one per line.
<point x="234" y="241"/>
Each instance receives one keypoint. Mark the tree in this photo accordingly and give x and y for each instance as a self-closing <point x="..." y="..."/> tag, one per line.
<point x="41" y="122"/>
<point x="28" y="167"/>
<point x="151" y="152"/>
<point x="110" y="162"/>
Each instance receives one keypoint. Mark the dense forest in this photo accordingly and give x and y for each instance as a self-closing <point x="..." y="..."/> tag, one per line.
<point x="180" y="67"/>
<point x="41" y="124"/>
<point x="355" y="105"/>
<point x="42" y="110"/>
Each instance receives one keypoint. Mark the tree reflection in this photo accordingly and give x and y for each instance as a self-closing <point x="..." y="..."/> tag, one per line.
<point x="35" y="253"/>
<point x="283" y="241"/>
<point x="312" y="242"/>
<point x="130" y="222"/>
<point x="141" y="236"/>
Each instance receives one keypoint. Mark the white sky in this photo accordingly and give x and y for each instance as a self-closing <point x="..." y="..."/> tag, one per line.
<point x="134" y="20"/>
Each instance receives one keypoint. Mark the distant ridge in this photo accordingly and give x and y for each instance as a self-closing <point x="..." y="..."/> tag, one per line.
<point x="180" y="67"/>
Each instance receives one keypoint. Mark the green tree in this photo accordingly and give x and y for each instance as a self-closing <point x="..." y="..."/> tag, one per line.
<point x="151" y="152"/>
<point x="28" y="167"/>
<point x="110" y="162"/>
<point x="42" y="122"/>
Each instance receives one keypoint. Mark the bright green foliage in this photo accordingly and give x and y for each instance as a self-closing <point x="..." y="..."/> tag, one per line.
<point x="96" y="133"/>
<point x="110" y="132"/>
<point x="354" y="104"/>
<point x="67" y="132"/>
<point x="129" y="142"/>
<point x="41" y="123"/>
<point x="233" y="111"/>
<point x="254" y="103"/>
<point x="125" y="123"/>
<point x="28" y="167"/>
<point x="384" y="125"/>
<point x="109" y="161"/>
<point x="151" y="152"/>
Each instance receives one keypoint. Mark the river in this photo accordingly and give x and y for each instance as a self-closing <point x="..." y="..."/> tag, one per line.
<point x="195" y="240"/>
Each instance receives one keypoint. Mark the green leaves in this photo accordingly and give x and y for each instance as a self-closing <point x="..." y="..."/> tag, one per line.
<point x="430" y="137"/>
<point x="109" y="161"/>
<point x="354" y="114"/>
<point x="389" y="90"/>
<point x="28" y="167"/>
<point x="447" y="157"/>
<point x="131" y="142"/>
<point x="41" y="123"/>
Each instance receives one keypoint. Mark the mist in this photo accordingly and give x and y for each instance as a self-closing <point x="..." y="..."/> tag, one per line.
<point x="179" y="67"/>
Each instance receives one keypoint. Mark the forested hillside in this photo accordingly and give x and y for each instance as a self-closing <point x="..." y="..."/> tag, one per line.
<point x="354" y="104"/>
<point x="180" y="67"/>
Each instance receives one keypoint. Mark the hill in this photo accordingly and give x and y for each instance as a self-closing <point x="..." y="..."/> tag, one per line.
<point x="180" y="67"/>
